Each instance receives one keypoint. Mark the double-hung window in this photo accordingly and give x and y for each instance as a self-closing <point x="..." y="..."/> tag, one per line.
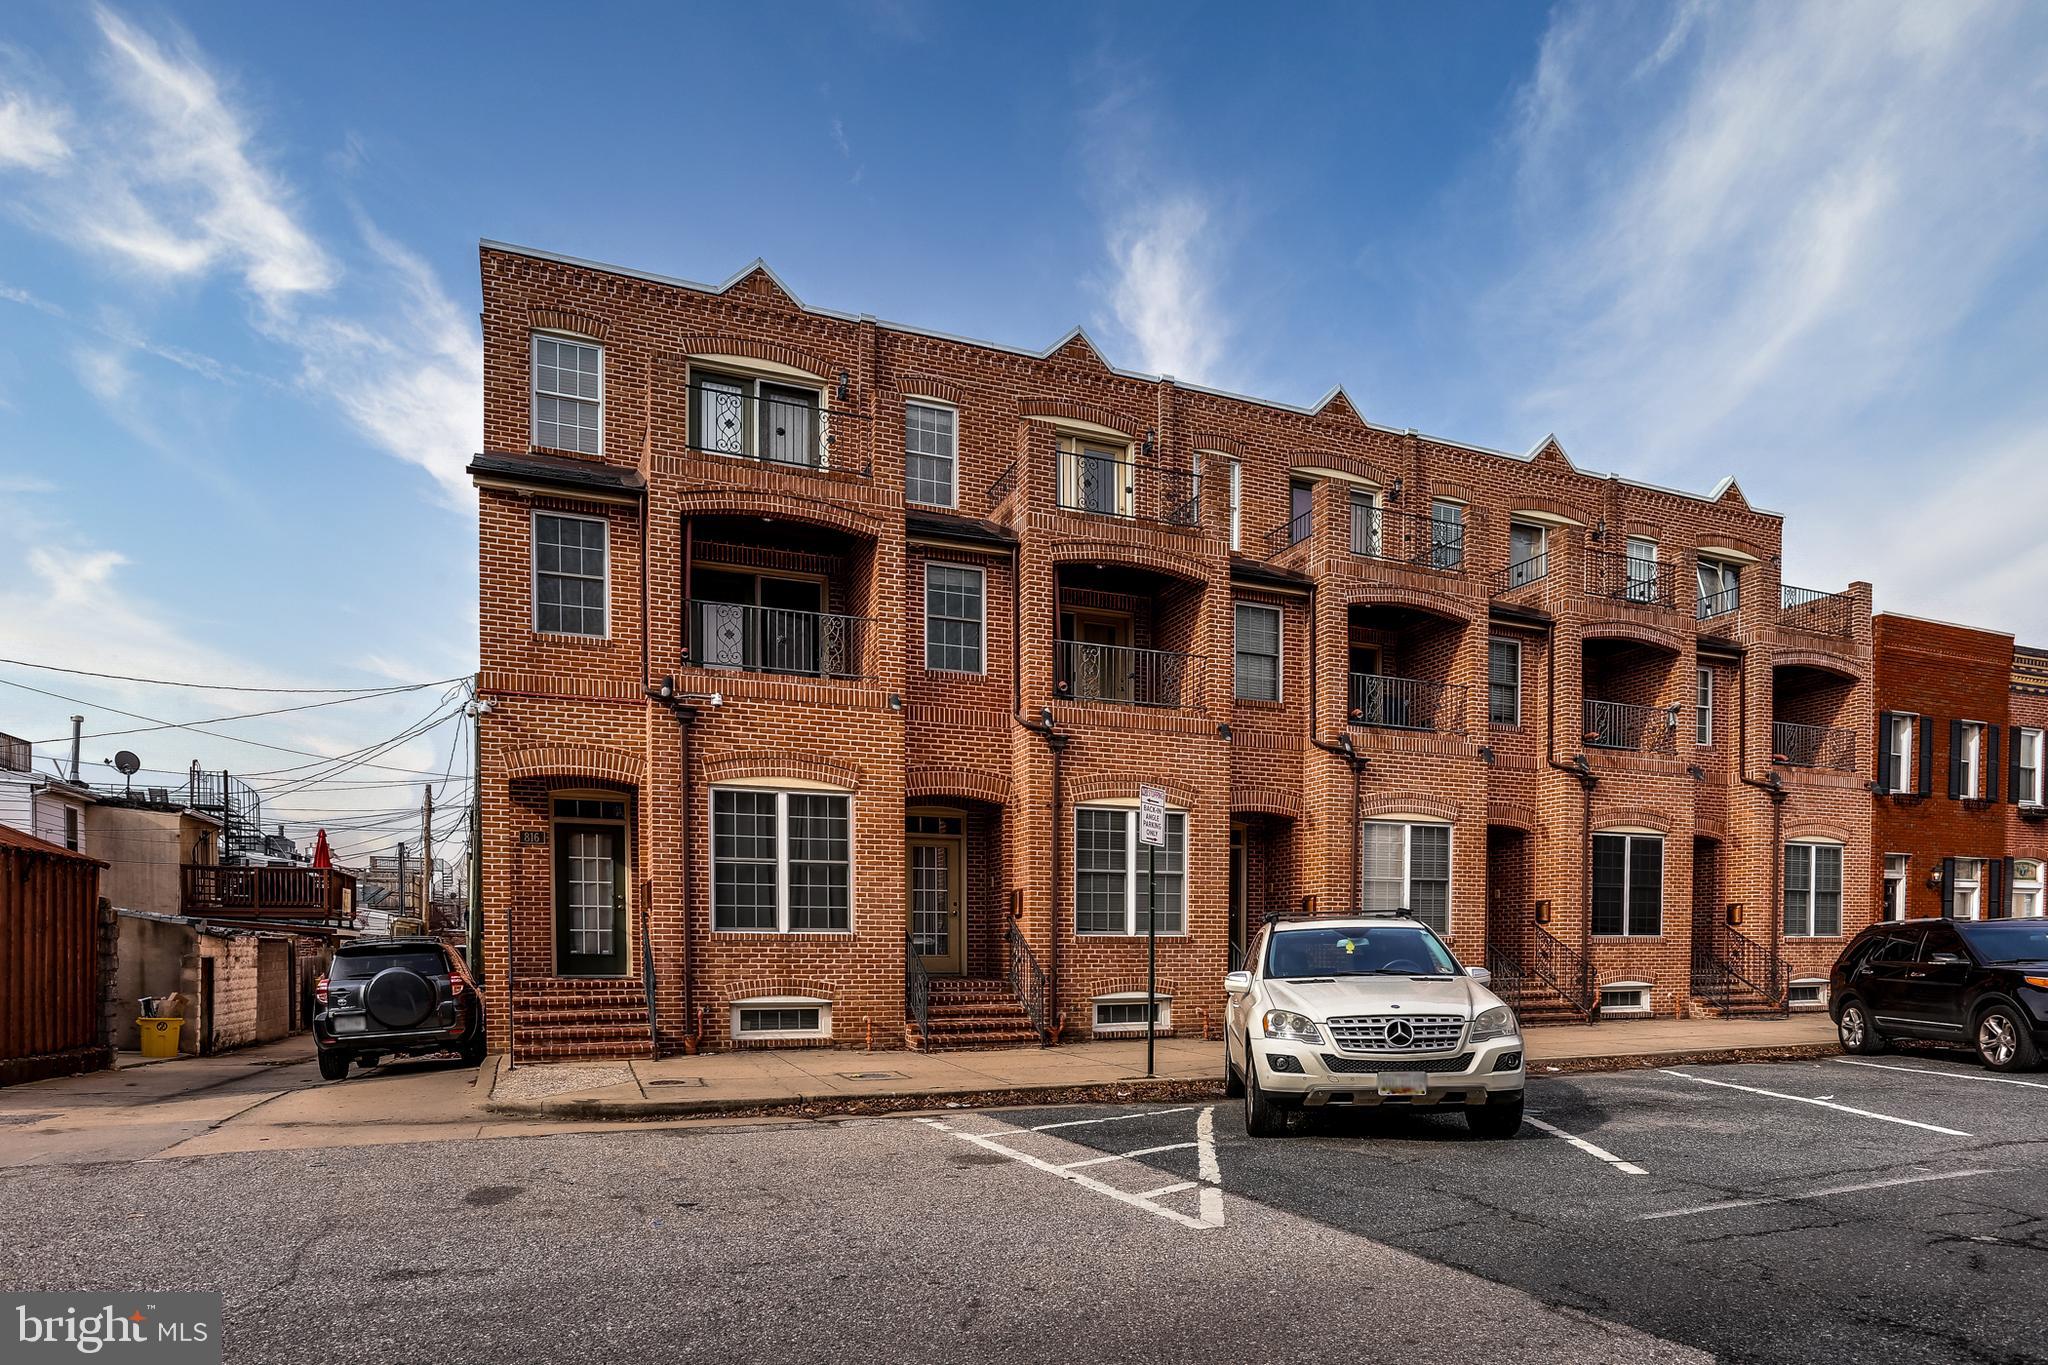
<point x="1967" y="765"/>
<point x="1813" y="890"/>
<point x="930" y="455"/>
<point x="2027" y="776"/>
<point x="1446" y="535"/>
<point x="781" y="861"/>
<point x="1898" y="742"/>
<point x="1236" y="505"/>
<point x="1966" y="896"/>
<point x="569" y="574"/>
<point x="759" y="419"/>
<point x="1504" y="681"/>
<point x="954" y="610"/>
<point x="1258" y="653"/>
<point x="2027" y="887"/>
<point x="1112" y="890"/>
<point x="1897" y="866"/>
<point x="568" y="395"/>
<point x="1628" y="884"/>
<point x="1642" y="569"/>
<point x="1704" y="711"/>
<point x="1407" y="867"/>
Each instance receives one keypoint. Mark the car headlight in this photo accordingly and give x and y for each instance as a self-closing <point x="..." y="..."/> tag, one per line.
<point x="1297" y="1028"/>
<point x="1498" y="1022"/>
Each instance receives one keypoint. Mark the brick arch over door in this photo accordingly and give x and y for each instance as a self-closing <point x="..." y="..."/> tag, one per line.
<point x="941" y="784"/>
<point x="1299" y="460"/>
<point x="1136" y="556"/>
<point x="573" y="760"/>
<point x="751" y="349"/>
<point x="1100" y="788"/>
<point x="1513" y="815"/>
<point x="1641" y="633"/>
<point x="1711" y="827"/>
<point x="1056" y="408"/>
<point x="754" y="502"/>
<point x="1377" y="594"/>
<point x="800" y="767"/>
<point x="1820" y="661"/>
<point x="1251" y="799"/>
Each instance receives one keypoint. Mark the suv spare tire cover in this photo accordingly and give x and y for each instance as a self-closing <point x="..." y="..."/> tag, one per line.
<point x="399" y="998"/>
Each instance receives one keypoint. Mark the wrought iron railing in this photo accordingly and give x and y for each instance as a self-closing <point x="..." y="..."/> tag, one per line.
<point x="917" y="993"/>
<point x="1292" y="531"/>
<point x="1727" y="962"/>
<point x="1418" y="538"/>
<point x="779" y="428"/>
<point x="1027" y="979"/>
<point x="1630" y="578"/>
<point x="1521" y="573"/>
<point x="1561" y="967"/>
<point x="816" y="644"/>
<point x="1141" y="677"/>
<point x="1717" y="604"/>
<point x="1005" y="484"/>
<point x="1813" y="746"/>
<point x="1620" y="725"/>
<point x="1823" y="613"/>
<point x="1405" y="703"/>
<point x="1118" y="486"/>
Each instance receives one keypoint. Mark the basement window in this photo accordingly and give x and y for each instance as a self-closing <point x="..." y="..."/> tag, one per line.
<point x="1625" y="997"/>
<point x="1808" y="994"/>
<point x="770" y="1019"/>
<point x="1127" y="1013"/>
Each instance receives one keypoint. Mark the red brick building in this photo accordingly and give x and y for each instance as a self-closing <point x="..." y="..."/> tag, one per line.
<point x="826" y="656"/>
<point x="1962" y="816"/>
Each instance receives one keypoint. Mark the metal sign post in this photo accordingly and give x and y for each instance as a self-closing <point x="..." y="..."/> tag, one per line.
<point x="1151" y="833"/>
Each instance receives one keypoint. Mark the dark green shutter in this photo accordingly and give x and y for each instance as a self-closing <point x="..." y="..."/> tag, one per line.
<point x="1924" y="741"/>
<point x="1948" y="888"/>
<point x="2012" y="774"/>
<point x="2003" y="909"/>
<point x="1955" y="759"/>
<point x="1990" y="763"/>
<point x="1884" y="751"/>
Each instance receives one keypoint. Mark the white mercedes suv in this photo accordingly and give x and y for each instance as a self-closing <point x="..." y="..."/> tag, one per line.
<point x="1368" y="1011"/>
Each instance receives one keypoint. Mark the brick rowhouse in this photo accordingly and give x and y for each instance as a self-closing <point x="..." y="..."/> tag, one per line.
<point x="822" y="757"/>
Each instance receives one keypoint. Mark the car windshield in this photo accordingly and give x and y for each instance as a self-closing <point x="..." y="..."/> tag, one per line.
<point x="425" y="961"/>
<point x="2008" y="940"/>
<point x="1377" y="950"/>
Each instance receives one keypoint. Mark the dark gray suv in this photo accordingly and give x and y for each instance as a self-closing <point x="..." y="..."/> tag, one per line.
<point x="399" y="997"/>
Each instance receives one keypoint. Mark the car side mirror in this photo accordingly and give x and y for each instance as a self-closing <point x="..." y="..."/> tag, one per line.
<point x="1238" y="983"/>
<point x="1480" y="974"/>
<point x="1946" y="959"/>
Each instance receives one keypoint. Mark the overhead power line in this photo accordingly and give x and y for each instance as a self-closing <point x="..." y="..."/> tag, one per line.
<point x="220" y="687"/>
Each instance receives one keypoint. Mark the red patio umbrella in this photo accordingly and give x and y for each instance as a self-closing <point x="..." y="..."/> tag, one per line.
<point x="323" y="856"/>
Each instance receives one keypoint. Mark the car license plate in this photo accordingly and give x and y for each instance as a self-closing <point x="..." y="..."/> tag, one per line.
<point x="1404" y="1083"/>
<point x="350" y="1023"/>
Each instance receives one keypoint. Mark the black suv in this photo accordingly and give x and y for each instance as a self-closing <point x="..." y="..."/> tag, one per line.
<point x="395" y="997"/>
<point x="1980" y="981"/>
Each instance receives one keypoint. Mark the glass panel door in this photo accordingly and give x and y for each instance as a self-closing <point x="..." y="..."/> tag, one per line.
<point x="934" y="866"/>
<point x="590" y="900"/>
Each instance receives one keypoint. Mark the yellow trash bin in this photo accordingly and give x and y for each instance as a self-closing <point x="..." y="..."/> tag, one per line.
<point x="159" y="1037"/>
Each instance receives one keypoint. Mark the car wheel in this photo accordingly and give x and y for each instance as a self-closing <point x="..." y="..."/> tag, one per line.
<point x="1496" y="1119"/>
<point x="2003" y="1040"/>
<point x="333" y="1065"/>
<point x="473" y="1051"/>
<point x="1857" y="1032"/>
<point x="1233" y="1083"/>
<point x="1262" y="1117"/>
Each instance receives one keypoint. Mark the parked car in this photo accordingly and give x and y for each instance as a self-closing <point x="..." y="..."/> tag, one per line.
<point x="399" y="997"/>
<point x="1371" y="1011"/>
<point x="1984" y="982"/>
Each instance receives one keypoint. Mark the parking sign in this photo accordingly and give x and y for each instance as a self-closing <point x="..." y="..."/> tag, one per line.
<point x="1152" y="817"/>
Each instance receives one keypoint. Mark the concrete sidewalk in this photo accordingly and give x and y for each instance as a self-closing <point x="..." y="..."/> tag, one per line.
<point x="832" y="1078"/>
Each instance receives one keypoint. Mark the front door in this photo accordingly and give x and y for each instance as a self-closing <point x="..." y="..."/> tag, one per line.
<point x="590" y="900"/>
<point x="935" y="920"/>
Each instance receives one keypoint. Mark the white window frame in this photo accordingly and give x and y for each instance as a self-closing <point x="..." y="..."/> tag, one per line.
<point x="2025" y="738"/>
<point x="781" y="1002"/>
<point x="1640" y="589"/>
<point x="1727" y="576"/>
<point x="533" y="393"/>
<point x="1408" y="828"/>
<point x="1703" y="707"/>
<point x="1813" y="887"/>
<point x="1515" y="645"/>
<point x="533" y="575"/>
<point x="1817" y="984"/>
<point x="953" y="456"/>
<point x="750" y="382"/>
<point x="1441" y="556"/>
<point x="1896" y="876"/>
<point x="1541" y="552"/>
<point x="1904" y="775"/>
<point x="2034" y="888"/>
<point x="1641" y="989"/>
<point x="782" y="793"/>
<point x="1279" y="651"/>
<point x="1162" y="1012"/>
<point x="1134" y="859"/>
<point x="1972" y="884"/>
<point x="1237" y="504"/>
<point x="1973" y="759"/>
<point x="981" y="647"/>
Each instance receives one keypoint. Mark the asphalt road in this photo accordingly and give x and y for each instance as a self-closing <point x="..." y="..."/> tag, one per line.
<point x="1112" y="1233"/>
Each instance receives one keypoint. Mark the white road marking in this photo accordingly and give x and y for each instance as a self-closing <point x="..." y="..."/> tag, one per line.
<point x="1590" y="1149"/>
<point x="1113" y="1118"/>
<point x="1126" y="1156"/>
<point x="1825" y="1104"/>
<point x="1813" y="1194"/>
<point x="1211" y="1216"/>
<point x="1953" y="1075"/>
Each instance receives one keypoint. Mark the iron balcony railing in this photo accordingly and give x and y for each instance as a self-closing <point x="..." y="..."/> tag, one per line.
<point x="1005" y="484"/>
<point x="917" y="993"/>
<point x="1140" y="677"/>
<point x="1813" y="746"/>
<point x="778" y="428"/>
<point x="1026" y="978"/>
<point x="1722" y="603"/>
<point x="1117" y="486"/>
<point x="1823" y="613"/>
<point x="1419" y="538"/>
<point x="1620" y="725"/>
<point x="1521" y="573"/>
<point x="1563" y="968"/>
<point x="817" y="644"/>
<point x="1405" y="703"/>
<point x="1292" y="531"/>
<point x="1728" y="963"/>
<point x="1630" y="578"/>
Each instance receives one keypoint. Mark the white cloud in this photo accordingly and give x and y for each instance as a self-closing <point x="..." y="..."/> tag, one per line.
<point x="1164" y="257"/>
<point x="32" y="133"/>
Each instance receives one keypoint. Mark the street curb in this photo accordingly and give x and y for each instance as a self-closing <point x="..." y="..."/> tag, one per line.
<point x="839" y="1103"/>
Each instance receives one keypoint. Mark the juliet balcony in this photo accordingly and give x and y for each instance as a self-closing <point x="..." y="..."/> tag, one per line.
<point x="778" y="597"/>
<point x="1123" y="636"/>
<point x="1631" y="727"/>
<point x="1401" y="661"/>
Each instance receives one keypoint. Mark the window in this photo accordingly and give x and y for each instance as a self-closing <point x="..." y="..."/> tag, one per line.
<point x="1446" y="535"/>
<point x="1628" y="884"/>
<point x="1966" y="896"/>
<point x="71" y="828"/>
<point x="2027" y="786"/>
<point x="1720" y="589"/>
<point x="1258" y="653"/>
<point x="781" y="862"/>
<point x="1642" y="569"/>
<point x="1111" y="893"/>
<point x="1807" y="994"/>
<point x="2027" y="902"/>
<point x="1118" y="1013"/>
<point x="1897" y="867"/>
<point x="799" y="1017"/>
<point x="1407" y="867"/>
<point x="1096" y="478"/>
<point x="756" y="418"/>
<point x="1365" y="525"/>
<point x="1504" y="681"/>
<point x="1705" y="710"/>
<point x="1966" y="765"/>
<point x="568" y="395"/>
<point x="1813" y="890"/>
<point x="928" y="454"/>
<point x="1898" y="753"/>
<point x="569" y="574"/>
<point x="1236" y="505"/>
<point x="1301" y="507"/>
<point x="953" y="611"/>
<point x="1625" y="997"/>
<point x="1527" y="560"/>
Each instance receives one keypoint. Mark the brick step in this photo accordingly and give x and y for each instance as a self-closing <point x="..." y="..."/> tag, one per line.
<point x="607" y="988"/>
<point x="1003" y="1004"/>
<point x="583" y="1033"/>
<point x="949" y="1042"/>
<point x="570" y="1016"/>
<point x="975" y="990"/>
<point x="565" y="1050"/>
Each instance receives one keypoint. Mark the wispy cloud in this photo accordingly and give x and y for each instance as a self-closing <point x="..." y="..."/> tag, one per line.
<point x="32" y="133"/>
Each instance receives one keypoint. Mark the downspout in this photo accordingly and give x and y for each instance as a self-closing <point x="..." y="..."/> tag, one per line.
<point x="1774" y="788"/>
<point x="1057" y="743"/>
<point x="1580" y="770"/>
<point x="1342" y="748"/>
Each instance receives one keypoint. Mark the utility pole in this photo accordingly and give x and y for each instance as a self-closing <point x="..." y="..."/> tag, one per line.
<point x="427" y="860"/>
<point x="401" y="881"/>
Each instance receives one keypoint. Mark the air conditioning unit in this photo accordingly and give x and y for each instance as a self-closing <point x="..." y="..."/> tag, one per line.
<point x="160" y="796"/>
<point x="15" y="755"/>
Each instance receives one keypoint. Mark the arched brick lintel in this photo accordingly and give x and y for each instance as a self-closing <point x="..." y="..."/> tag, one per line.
<point x="757" y="503"/>
<point x="573" y="760"/>
<point x="1413" y="803"/>
<point x="1139" y="556"/>
<point x="1816" y="829"/>
<point x="1055" y="408"/>
<point x="1330" y="459"/>
<point x="1513" y="815"/>
<point x="932" y="784"/>
<point x="1640" y="632"/>
<point x="770" y="351"/>
<point x="771" y="987"/>
<point x="1396" y="595"/>
<point x="801" y="767"/>
<point x="1818" y="660"/>
<point x="1637" y="817"/>
<point x="563" y="320"/>
<point x="1250" y="799"/>
<point x="1114" y="785"/>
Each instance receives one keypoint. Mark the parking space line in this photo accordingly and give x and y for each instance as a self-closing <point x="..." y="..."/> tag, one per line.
<point x="1953" y="1075"/>
<point x="1113" y="1118"/>
<point x="1824" y="1104"/>
<point x="1174" y="1188"/>
<point x="1590" y="1149"/>
<point x="1812" y="1194"/>
<point x="1211" y="1204"/>
<point x="1126" y="1156"/>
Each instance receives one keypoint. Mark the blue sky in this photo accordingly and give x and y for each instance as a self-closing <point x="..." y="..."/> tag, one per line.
<point x="1800" y="244"/>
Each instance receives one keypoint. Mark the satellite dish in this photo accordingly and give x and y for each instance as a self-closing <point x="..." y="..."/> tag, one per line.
<point x="127" y="763"/>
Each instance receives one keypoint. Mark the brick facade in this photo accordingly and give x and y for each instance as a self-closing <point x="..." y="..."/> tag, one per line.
<point x="1383" y="714"/>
